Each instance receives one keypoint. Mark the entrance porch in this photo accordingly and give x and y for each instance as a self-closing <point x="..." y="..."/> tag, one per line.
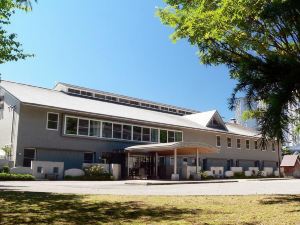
<point x="148" y="161"/>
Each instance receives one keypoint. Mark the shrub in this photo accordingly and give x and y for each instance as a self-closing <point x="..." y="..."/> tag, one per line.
<point x="204" y="176"/>
<point x="15" y="177"/>
<point x="92" y="173"/>
<point x="5" y="169"/>
<point x="239" y="175"/>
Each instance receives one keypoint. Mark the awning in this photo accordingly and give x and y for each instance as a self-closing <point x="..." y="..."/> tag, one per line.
<point x="168" y="148"/>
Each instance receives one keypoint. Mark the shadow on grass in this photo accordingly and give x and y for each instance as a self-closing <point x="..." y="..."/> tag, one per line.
<point x="39" y="208"/>
<point x="283" y="199"/>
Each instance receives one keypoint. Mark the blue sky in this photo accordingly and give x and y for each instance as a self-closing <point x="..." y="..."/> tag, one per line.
<point x="115" y="46"/>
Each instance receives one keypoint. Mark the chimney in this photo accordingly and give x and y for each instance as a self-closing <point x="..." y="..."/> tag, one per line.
<point x="232" y="120"/>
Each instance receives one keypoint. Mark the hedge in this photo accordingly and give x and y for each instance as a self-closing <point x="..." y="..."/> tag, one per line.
<point x="90" y="178"/>
<point x="15" y="177"/>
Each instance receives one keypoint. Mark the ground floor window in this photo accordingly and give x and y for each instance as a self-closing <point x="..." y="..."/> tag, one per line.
<point x="29" y="155"/>
<point x="88" y="157"/>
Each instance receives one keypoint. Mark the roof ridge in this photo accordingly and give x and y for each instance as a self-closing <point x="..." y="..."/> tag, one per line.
<point x="29" y="85"/>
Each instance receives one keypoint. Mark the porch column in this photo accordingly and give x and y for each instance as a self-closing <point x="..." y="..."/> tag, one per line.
<point x="156" y="164"/>
<point x="197" y="160"/>
<point x="175" y="161"/>
<point x="175" y="176"/>
<point x="128" y="156"/>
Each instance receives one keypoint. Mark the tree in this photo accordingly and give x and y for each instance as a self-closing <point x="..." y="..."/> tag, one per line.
<point x="258" y="40"/>
<point x="10" y="48"/>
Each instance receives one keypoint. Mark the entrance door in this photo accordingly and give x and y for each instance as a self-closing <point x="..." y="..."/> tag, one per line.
<point x="141" y="167"/>
<point x="162" y="167"/>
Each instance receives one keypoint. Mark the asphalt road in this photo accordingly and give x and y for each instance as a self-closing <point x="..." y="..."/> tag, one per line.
<point x="242" y="187"/>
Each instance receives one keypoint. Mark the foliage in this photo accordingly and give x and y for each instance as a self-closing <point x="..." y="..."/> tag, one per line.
<point x="48" y="208"/>
<point x="5" y="169"/>
<point x="205" y="176"/>
<point x="258" y="40"/>
<point x="7" y="150"/>
<point x="95" y="172"/>
<point x="286" y="151"/>
<point x="15" y="177"/>
<point x="10" y="48"/>
<point x="239" y="175"/>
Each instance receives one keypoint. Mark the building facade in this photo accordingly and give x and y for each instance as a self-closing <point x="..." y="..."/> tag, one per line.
<point x="77" y="125"/>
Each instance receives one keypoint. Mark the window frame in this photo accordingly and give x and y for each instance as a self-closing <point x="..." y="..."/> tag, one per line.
<point x="238" y="143"/>
<point x="247" y="147"/>
<point x="255" y="145"/>
<point x="157" y="130"/>
<point x="229" y="141"/>
<point x="218" y="138"/>
<point x="47" y="121"/>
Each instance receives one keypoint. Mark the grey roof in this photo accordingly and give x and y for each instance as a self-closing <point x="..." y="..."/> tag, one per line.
<point x="55" y="99"/>
<point x="289" y="160"/>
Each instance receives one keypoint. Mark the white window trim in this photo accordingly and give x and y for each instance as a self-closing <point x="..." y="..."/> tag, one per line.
<point x="228" y="142"/>
<point x="246" y="144"/>
<point x="217" y="141"/>
<point x="237" y="143"/>
<point x="108" y="121"/>
<point x="48" y="121"/>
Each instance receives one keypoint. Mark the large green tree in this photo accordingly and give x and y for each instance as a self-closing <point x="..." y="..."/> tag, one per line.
<point x="10" y="48"/>
<point x="259" y="42"/>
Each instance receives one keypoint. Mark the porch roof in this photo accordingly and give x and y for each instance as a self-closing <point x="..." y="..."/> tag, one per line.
<point x="167" y="148"/>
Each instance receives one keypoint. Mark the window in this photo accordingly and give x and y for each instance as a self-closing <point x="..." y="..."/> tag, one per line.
<point x="88" y="157"/>
<point x="29" y="155"/>
<point x="137" y="133"/>
<point x="229" y="142"/>
<point x="264" y="147"/>
<point x="273" y="147"/>
<point x="184" y="161"/>
<point x="146" y="134"/>
<point x="83" y="128"/>
<point x="40" y="169"/>
<point x="154" y="135"/>
<point x="238" y="143"/>
<point x="247" y="144"/>
<point x="218" y="141"/>
<point x="107" y="130"/>
<point x="178" y="136"/>
<point x="55" y="170"/>
<point x="74" y="91"/>
<point x="163" y="136"/>
<point x="255" y="145"/>
<point x="95" y="127"/>
<point x="171" y="136"/>
<point x="71" y="125"/>
<point x="117" y="131"/>
<point x="127" y="132"/>
<point x="99" y="96"/>
<point x="52" y="121"/>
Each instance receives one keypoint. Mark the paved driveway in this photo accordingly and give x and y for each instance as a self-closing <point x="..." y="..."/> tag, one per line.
<point x="243" y="187"/>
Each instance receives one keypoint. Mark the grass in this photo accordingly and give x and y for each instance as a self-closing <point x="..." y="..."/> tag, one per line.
<point x="47" y="208"/>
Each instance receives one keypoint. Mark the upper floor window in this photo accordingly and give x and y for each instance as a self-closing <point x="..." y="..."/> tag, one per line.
<point x="247" y="144"/>
<point x="171" y="136"/>
<point x="218" y="141"/>
<point x="238" y="143"/>
<point x="154" y="135"/>
<point x="163" y="136"/>
<point x="52" y="121"/>
<point x="255" y="145"/>
<point x="178" y="136"/>
<point x="71" y="125"/>
<point x="273" y="147"/>
<point x="229" y="142"/>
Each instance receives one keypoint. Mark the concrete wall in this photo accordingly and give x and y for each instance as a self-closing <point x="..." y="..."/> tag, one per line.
<point x="6" y="121"/>
<point x="47" y="168"/>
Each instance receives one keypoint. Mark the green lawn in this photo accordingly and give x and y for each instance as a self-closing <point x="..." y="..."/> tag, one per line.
<point x="45" y="208"/>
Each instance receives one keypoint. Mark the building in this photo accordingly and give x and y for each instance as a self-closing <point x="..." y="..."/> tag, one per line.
<point x="291" y="166"/>
<point x="77" y="125"/>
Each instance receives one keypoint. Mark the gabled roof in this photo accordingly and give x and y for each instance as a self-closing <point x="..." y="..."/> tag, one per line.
<point x="49" y="98"/>
<point x="204" y="118"/>
<point x="289" y="160"/>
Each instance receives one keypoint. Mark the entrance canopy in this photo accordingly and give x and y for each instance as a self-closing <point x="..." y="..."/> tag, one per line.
<point x="183" y="148"/>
